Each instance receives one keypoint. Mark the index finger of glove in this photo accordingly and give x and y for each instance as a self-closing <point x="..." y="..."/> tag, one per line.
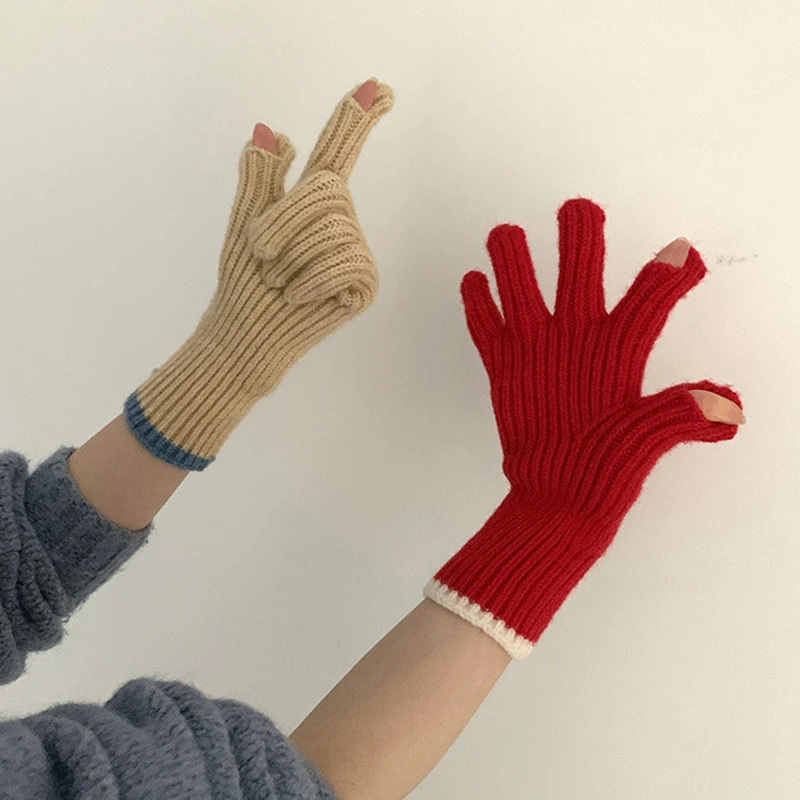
<point x="340" y="143"/>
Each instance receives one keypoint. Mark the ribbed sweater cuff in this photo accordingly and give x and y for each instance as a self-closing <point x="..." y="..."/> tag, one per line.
<point x="86" y="549"/>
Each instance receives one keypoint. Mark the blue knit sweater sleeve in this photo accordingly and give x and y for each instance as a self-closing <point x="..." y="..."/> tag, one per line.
<point x="55" y="550"/>
<point x="153" y="740"/>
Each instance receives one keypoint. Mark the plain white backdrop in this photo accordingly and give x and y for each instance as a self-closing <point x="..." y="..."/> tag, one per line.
<point x="672" y="669"/>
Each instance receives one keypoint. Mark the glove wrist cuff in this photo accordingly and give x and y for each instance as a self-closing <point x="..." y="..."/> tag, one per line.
<point x="511" y="577"/>
<point x="185" y="411"/>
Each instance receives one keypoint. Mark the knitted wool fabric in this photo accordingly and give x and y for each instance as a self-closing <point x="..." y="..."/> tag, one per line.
<point x="578" y="437"/>
<point x="294" y="267"/>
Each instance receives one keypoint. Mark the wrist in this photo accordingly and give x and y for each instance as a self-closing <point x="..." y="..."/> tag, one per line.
<point x="188" y="407"/>
<point x="511" y="577"/>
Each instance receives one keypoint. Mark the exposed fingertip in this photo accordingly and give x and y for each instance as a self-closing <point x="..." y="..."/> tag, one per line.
<point x="675" y="253"/>
<point x="264" y="138"/>
<point x="366" y="93"/>
<point x="717" y="408"/>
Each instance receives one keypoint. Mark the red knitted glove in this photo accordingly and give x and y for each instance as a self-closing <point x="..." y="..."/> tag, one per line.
<point x="578" y="437"/>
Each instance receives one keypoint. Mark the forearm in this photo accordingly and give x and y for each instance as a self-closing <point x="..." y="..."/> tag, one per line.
<point x="123" y="481"/>
<point x="67" y="528"/>
<point x="187" y="408"/>
<point x="56" y="550"/>
<point x="381" y="730"/>
<point x="390" y="720"/>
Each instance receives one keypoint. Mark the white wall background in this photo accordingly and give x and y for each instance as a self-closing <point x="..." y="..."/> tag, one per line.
<point x="672" y="670"/>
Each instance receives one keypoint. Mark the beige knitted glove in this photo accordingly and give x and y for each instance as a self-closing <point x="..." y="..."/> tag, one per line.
<point x="294" y="267"/>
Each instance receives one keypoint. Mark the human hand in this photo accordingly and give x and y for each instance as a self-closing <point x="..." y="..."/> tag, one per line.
<point x="294" y="267"/>
<point x="306" y="255"/>
<point x="578" y="437"/>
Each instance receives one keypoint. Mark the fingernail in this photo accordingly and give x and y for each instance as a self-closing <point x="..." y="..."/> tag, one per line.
<point x="365" y="94"/>
<point x="264" y="138"/>
<point x="717" y="408"/>
<point x="675" y="253"/>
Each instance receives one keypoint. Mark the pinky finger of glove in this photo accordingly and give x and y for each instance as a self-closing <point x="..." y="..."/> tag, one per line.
<point x="484" y="321"/>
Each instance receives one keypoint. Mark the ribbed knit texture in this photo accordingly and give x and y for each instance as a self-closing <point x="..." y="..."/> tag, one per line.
<point x="294" y="267"/>
<point x="578" y="438"/>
